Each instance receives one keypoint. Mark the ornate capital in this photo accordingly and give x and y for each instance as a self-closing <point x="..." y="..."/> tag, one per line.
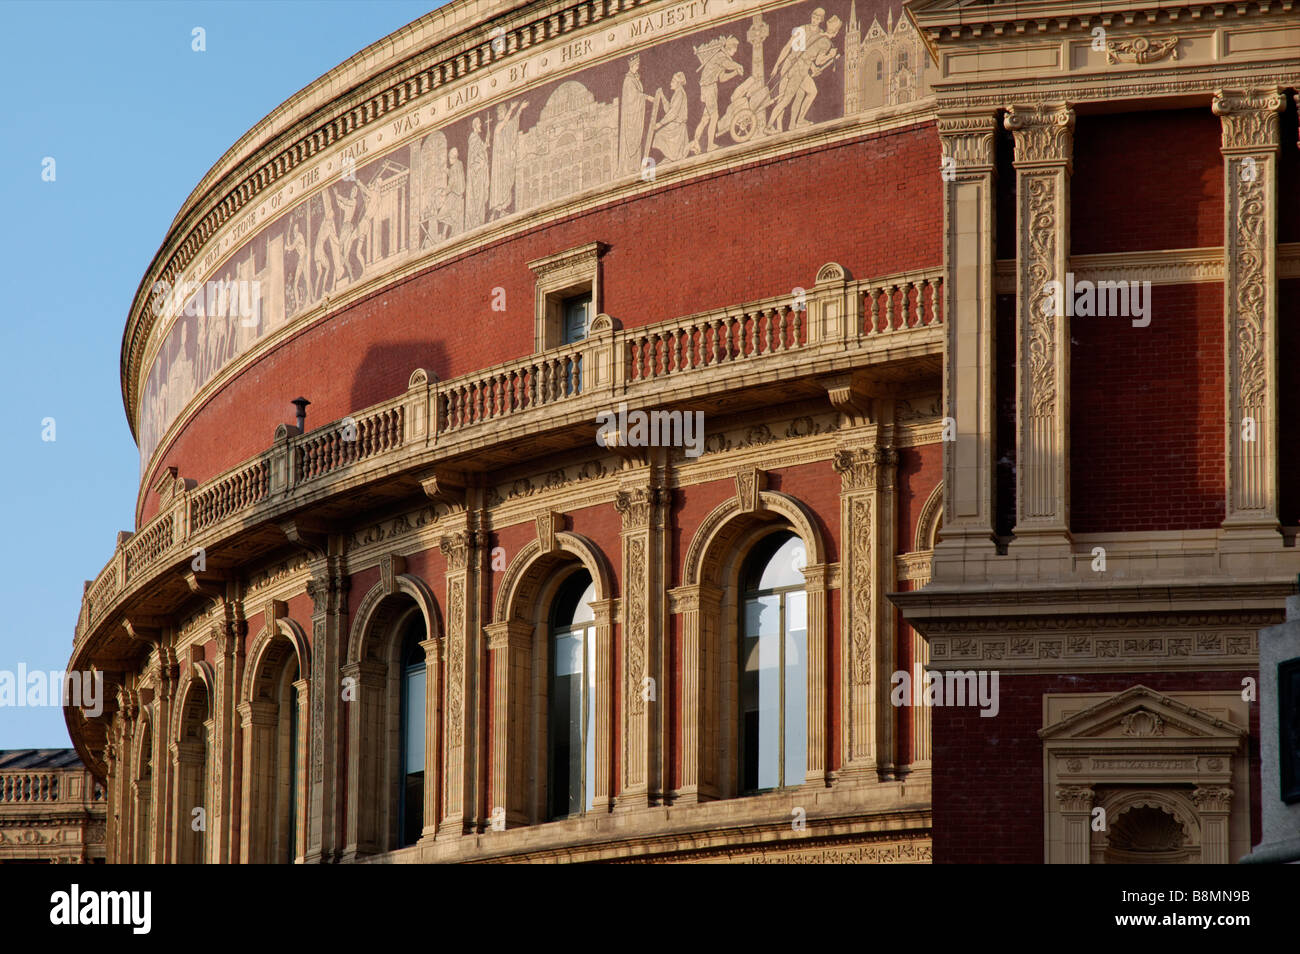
<point x="456" y="548"/>
<point x="1212" y="798"/>
<point x="1249" y="117"/>
<point x="636" y="506"/>
<point x="968" y="139"/>
<point x="1043" y="133"/>
<point x="1075" y="798"/>
<point x="860" y="469"/>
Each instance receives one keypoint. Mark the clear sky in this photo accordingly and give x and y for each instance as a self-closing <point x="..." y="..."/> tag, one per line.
<point x="133" y="117"/>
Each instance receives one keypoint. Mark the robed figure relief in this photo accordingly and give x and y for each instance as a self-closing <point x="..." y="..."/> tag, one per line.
<point x="631" y="118"/>
<point x="504" y="143"/>
<point x="668" y="136"/>
<point x="478" y="176"/>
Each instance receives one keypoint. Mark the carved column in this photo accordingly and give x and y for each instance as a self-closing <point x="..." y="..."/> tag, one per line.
<point x="1044" y="141"/>
<point x="816" y="585"/>
<point x="970" y="312"/>
<point x="510" y="644"/>
<point x="867" y="529"/>
<point x="223" y="820"/>
<point x="459" y="801"/>
<point x="1075" y="803"/>
<point x="1250" y="151"/>
<point x="697" y="607"/>
<point x="643" y="775"/>
<point x="363" y="835"/>
<point x="1213" y="804"/>
<point x="300" y="743"/>
<point x="167" y="674"/>
<point x="603" y="797"/>
<point x="328" y="590"/>
<point x="432" y="734"/>
<point x="258" y="721"/>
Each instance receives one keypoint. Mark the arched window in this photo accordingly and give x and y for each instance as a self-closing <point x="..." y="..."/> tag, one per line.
<point x="773" y="665"/>
<point x="411" y="795"/>
<point x="571" y="730"/>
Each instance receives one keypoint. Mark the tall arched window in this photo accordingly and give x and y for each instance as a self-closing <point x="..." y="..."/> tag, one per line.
<point x="411" y="794"/>
<point x="571" y="730"/>
<point x="774" y="665"/>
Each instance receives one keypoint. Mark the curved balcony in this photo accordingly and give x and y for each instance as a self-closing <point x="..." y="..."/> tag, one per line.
<point x="784" y="344"/>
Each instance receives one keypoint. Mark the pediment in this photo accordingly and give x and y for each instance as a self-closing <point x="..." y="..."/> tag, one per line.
<point x="1140" y="713"/>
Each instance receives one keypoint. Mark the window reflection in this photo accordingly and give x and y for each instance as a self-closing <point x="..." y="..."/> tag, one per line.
<point x="411" y="813"/>
<point x="572" y="727"/>
<point x="773" y="661"/>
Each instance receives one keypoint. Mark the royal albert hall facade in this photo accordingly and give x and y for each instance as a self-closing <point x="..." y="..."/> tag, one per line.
<point x="444" y="622"/>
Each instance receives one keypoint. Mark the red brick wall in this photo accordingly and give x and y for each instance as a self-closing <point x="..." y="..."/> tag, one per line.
<point x="874" y="205"/>
<point x="1146" y="416"/>
<point x="988" y="772"/>
<point x="1146" y="180"/>
<point x="919" y="471"/>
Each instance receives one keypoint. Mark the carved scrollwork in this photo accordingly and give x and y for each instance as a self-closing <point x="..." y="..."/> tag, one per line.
<point x="1141" y="49"/>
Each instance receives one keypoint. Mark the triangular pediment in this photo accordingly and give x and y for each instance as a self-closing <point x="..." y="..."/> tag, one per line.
<point x="1140" y="713"/>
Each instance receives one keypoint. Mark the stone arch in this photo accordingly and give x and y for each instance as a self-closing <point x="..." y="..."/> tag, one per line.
<point x="522" y="580"/>
<point x="708" y="547"/>
<point x="1171" y="802"/>
<point x="374" y="615"/>
<point x="264" y="657"/>
<point x="930" y="521"/>
<point x="519" y="643"/>
<point x="142" y="789"/>
<point x="273" y="713"/>
<point x="709" y="603"/>
<point x="372" y="676"/>
<point x="191" y="751"/>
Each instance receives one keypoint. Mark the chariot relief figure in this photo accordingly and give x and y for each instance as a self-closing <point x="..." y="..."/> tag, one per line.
<point x="631" y="118"/>
<point x="798" y="86"/>
<point x="668" y="135"/>
<point x="451" y="203"/>
<point x="504" y="141"/>
<point x="478" y="176"/>
<point x="716" y="66"/>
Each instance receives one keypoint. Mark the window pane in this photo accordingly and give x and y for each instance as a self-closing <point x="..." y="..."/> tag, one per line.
<point x="566" y="724"/>
<point x="589" y="637"/>
<point x="761" y="692"/>
<point x="796" y="687"/>
<point x="413" y="731"/>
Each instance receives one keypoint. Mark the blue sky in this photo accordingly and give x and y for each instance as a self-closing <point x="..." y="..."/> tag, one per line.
<point x="133" y="118"/>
